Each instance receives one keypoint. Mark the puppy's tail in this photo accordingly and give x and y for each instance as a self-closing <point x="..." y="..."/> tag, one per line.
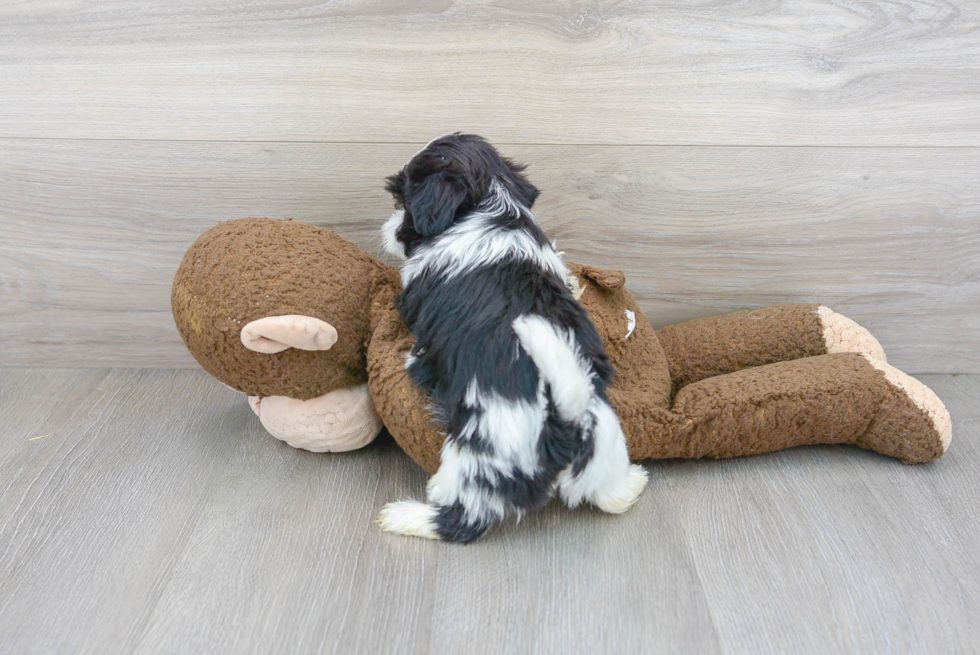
<point x="433" y="521"/>
<point x="410" y="518"/>
<point x="560" y="362"/>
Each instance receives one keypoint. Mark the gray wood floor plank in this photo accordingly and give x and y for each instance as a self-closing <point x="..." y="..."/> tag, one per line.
<point x="944" y="497"/>
<point x="28" y="397"/>
<point x="565" y="581"/>
<point x="886" y="236"/>
<point x="159" y="517"/>
<point x="287" y="559"/>
<point x="752" y="73"/>
<point x="89" y="532"/>
<point x="838" y="550"/>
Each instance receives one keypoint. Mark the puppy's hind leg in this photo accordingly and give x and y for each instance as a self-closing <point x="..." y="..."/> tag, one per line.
<point x="607" y="480"/>
<point x="457" y="510"/>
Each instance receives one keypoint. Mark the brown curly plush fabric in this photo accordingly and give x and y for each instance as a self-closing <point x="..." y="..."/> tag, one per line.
<point x="707" y="347"/>
<point x="402" y="406"/>
<point x="246" y="269"/>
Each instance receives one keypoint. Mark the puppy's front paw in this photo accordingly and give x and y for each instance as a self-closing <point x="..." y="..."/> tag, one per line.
<point x="619" y="497"/>
<point x="410" y="518"/>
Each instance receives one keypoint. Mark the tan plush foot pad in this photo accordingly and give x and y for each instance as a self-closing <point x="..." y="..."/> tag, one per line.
<point x="913" y="423"/>
<point x="842" y="335"/>
<point x="342" y="420"/>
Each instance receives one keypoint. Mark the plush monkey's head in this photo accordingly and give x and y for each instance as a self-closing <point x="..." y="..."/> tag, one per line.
<point x="277" y="308"/>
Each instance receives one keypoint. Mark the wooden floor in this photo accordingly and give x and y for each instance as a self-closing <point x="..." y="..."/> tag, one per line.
<point x="146" y="511"/>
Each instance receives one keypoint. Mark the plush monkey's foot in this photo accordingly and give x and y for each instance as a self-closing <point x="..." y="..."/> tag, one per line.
<point x="912" y="424"/>
<point x="842" y="335"/>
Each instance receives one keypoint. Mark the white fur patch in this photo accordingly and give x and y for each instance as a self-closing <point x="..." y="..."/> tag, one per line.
<point x="608" y="481"/>
<point x="556" y="354"/>
<point x="477" y="242"/>
<point x="619" y="497"/>
<point x="453" y="482"/>
<point x="513" y="426"/>
<point x="392" y="245"/>
<point x="573" y="284"/>
<point x="410" y="518"/>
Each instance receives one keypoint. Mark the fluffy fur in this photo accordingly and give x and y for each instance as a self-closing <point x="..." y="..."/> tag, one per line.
<point x="514" y="366"/>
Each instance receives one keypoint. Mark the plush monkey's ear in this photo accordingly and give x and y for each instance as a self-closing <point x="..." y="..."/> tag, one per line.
<point x="274" y="334"/>
<point x="434" y="203"/>
<point x="604" y="278"/>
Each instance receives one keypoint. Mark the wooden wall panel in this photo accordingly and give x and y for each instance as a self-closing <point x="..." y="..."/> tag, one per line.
<point x="852" y="72"/>
<point x="92" y="232"/>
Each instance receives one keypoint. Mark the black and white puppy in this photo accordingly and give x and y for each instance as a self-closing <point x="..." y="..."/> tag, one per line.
<point x="515" y="368"/>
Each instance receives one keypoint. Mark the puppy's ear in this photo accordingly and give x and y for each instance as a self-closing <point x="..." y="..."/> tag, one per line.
<point x="433" y="205"/>
<point x="526" y="191"/>
<point x="394" y="186"/>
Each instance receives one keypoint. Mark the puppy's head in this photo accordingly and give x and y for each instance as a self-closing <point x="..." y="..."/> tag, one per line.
<point x="443" y="183"/>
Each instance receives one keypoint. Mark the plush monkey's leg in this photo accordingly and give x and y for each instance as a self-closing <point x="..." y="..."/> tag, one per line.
<point x="717" y="345"/>
<point x="838" y="398"/>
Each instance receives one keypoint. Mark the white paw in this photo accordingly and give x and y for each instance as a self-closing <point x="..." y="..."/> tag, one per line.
<point x="619" y="497"/>
<point x="410" y="518"/>
<point x="558" y="358"/>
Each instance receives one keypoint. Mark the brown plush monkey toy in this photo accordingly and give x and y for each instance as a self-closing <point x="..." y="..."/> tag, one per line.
<point x="304" y="322"/>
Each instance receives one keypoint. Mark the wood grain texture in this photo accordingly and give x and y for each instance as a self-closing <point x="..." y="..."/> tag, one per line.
<point x="878" y="546"/>
<point x="93" y="515"/>
<point x="943" y="501"/>
<point x="94" y="230"/>
<point x="288" y="559"/>
<point x="601" y="584"/>
<point x="815" y="526"/>
<point x="157" y="516"/>
<point x="849" y="72"/>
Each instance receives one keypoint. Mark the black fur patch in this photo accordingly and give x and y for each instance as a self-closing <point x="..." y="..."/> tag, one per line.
<point x="481" y="305"/>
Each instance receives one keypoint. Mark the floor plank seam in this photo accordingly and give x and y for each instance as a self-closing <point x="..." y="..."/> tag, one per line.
<point x="134" y="642"/>
<point x="694" y="562"/>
